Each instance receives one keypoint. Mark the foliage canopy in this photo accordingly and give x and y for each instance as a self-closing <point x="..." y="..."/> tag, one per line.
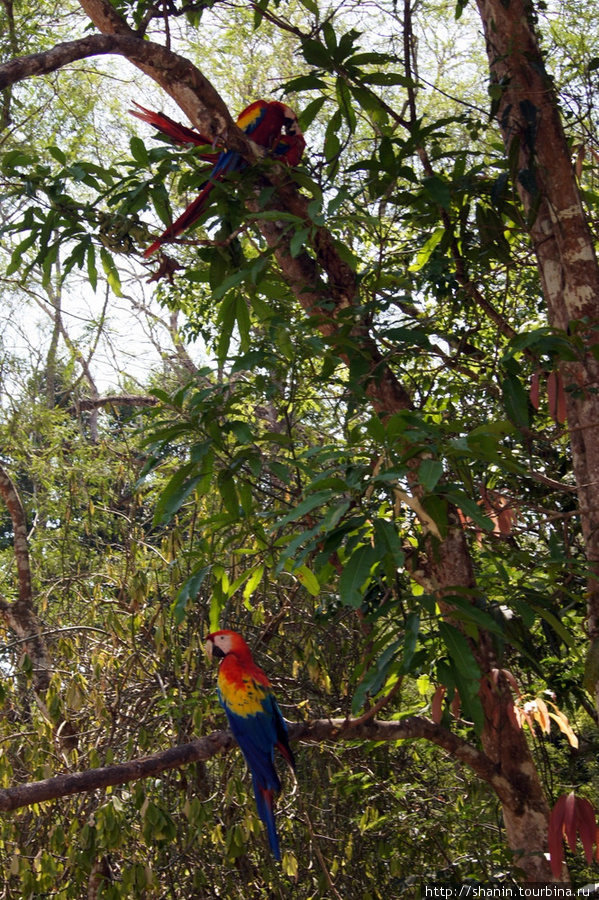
<point x="368" y="473"/>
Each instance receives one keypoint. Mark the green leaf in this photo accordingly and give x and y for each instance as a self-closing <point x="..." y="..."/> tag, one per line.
<point x="472" y="509"/>
<point x="356" y="572"/>
<point x="311" y="6"/>
<point x="228" y="492"/>
<point x="111" y="272"/>
<point x="556" y="624"/>
<point x="429" y="473"/>
<point x="92" y="272"/>
<point x="376" y="676"/>
<point x="175" y="493"/>
<point x="311" y="502"/>
<point x="242" y="317"/>
<point x="385" y="79"/>
<point x="58" y="154"/>
<point x="17" y="254"/>
<point x="438" y="190"/>
<point x="256" y="576"/>
<point x="471" y="706"/>
<point x="425" y="252"/>
<point x="411" y="636"/>
<point x="516" y="400"/>
<point x="388" y="538"/>
<point x="188" y="591"/>
<point x="231" y="281"/>
<point x="138" y="151"/>
<point x="309" y="113"/>
<point x="309" y="82"/>
<point x="316" y="54"/>
<point x="308" y="579"/>
<point x="459" y="651"/>
<point x="298" y="240"/>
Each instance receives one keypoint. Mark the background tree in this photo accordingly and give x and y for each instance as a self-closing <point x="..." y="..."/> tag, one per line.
<point x="377" y="475"/>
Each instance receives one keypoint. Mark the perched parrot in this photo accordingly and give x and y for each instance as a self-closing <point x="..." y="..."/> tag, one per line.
<point x="255" y="719"/>
<point x="263" y="121"/>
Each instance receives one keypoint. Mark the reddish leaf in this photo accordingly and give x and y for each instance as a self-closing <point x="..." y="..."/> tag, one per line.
<point x="456" y="706"/>
<point x="513" y="714"/>
<point x="556" y="397"/>
<point x="555" y="835"/>
<point x="511" y="681"/>
<point x="587" y="826"/>
<point x="542" y="715"/>
<point x="570" y="820"/>
<point x="506" y="519"/>
<point x="437" y="704"/>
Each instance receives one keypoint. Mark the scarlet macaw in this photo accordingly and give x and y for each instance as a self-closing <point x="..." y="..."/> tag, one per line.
<point x="255" y="719"/>
<point x="262" y="121"/>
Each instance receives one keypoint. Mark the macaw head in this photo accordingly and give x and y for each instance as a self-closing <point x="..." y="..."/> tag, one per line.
<point x="221" y="643"/>
<point x="290" y="122"/>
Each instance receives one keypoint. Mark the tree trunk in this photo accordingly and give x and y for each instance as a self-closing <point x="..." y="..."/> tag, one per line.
<point x="529" y="114"/>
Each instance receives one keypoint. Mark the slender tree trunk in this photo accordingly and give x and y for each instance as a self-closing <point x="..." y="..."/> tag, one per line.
<point x="529" y="114"/>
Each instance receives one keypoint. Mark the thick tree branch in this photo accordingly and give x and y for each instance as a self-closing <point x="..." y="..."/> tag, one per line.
<point x="317" y="731"/>
<point x="91" y="403"/>
<point x="166" y="67"/>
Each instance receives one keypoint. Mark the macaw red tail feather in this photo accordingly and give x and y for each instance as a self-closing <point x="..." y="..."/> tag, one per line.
<point x="179" y="133"/>
<point x="227" y="162"/>
<point x="265" y="803"/>
<point x="285" y="751"/>
<point x="187" y="218"/>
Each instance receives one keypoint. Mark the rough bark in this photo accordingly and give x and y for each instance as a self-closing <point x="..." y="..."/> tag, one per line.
<point x="316" y="731"/>
<point x="529" y="117"/>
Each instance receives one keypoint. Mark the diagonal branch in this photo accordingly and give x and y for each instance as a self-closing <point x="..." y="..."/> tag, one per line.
<point x="316" y="731"/>
<point x="166" y="67"/>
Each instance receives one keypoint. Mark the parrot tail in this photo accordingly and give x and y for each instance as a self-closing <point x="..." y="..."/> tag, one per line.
<point x="265" y="803"/>
<point x="227" y="162"/>
<point x="187" y="218"/>
<point x="168" y="126"/>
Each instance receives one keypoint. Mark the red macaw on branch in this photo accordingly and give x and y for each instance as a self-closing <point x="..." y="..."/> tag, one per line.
<point x="255" y="719"/>
<point x="272" y="125"/>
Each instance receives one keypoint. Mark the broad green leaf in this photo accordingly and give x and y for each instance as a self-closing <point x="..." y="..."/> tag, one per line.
<point x="356" y="572"/>
<point x="228" y="492"/>
<point x="429" y="473"/>
<point x="316" y="54"/>
<point x="187" y="592"/>
<point x="438" y="190"/>
<point x="306" y="506"/>
<point x="308" y="579"/>
<point x="425" y="252"/>
<point x="255" y="577"/>
<point x="411" y="636"/>
<point x="516" y="400"/>
<point x="92" y="272"/>
<point x="111" y="272"/>
<point x="376" y="676"/>
<point x="138" y="151"/>
<point x="176" y="493"/>
<point x="459" y="651"/>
